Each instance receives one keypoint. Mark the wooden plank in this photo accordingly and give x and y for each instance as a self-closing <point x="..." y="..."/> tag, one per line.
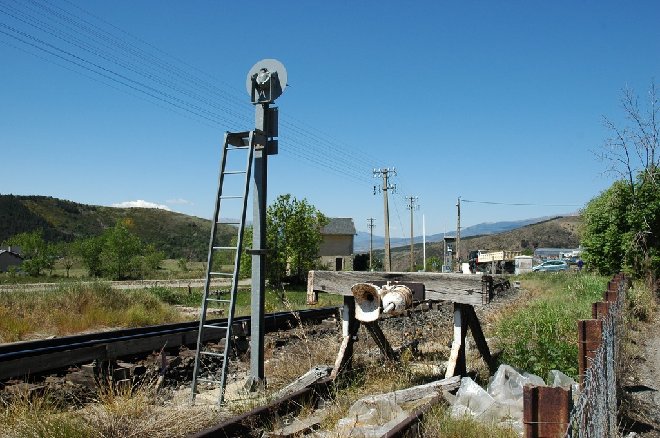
<point x="299" y="427"/>
<point x="312" y="376"/>
<point x="413" y="393"/>
<point x="458" y="288"/>
<point x="312" y="295"/>
<point x="456" y="365"/>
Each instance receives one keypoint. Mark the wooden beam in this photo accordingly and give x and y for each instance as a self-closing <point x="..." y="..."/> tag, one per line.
<point x="458" y="288"/>
<point x="456" y="365"/>
<point x="479" y="338"/>
<point x="385" y="348"/>
<point x="312" y="295"/>
<point x="349" y="326"/>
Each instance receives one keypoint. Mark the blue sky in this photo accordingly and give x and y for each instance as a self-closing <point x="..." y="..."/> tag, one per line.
<point x="490" y="101"/>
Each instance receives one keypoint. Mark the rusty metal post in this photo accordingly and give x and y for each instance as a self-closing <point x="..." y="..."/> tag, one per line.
<point x="610" y="295"/>
<point x="600" y="309"/>
<point x="590" y="336"/>
<point x="546" y="411"/>
<point x="613" y="285"/>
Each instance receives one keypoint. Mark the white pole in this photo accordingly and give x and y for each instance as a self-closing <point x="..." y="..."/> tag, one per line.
<point x="424" y="241"/>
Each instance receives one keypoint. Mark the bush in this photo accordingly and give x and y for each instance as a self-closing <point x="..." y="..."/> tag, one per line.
<point x="542" y="334"/>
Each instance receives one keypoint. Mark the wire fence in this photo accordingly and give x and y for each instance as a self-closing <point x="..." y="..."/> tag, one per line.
<point x="594" y="413"/>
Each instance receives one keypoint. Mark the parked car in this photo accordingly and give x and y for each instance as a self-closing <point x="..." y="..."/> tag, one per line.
<point x="551" y="266"/>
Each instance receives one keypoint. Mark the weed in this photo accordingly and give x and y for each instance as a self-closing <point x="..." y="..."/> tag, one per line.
<point x="641" y="303"/>
<point x="36" y="415"/>
<point x="439" y="423"/>
<point x="539" y="332"/>
<point x="76" y="307"/>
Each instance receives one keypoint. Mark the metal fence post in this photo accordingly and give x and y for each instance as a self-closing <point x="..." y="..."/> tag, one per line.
<point x="589" y="339"/>
<point x="546" y="411"/>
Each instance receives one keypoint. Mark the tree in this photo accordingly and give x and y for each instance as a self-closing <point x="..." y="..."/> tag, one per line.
<point x="246" y="259"/>
<point x="361" y="262"/>
<point x="605" y="227"/>
<point x="153" y="257"/>
<point x="67" y="255"/>
<point x="294" y="234"/>
<point x="622" y="224"/>
<point x="119" y="250"/>
<point x="37" y="253"/>
<point x="433" y="264"/>
<point x="89" y="251"/>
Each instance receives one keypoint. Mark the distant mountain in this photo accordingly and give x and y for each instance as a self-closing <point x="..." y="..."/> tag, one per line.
<point x="178" y="235"/>
<point x="361" y="242"/>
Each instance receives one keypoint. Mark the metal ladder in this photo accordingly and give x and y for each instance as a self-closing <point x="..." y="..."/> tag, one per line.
<point x="205" y="359"/>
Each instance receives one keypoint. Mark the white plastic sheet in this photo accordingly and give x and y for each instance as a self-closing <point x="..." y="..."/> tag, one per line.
<point x="370" y="418"/>
<point x="500" y="403"/>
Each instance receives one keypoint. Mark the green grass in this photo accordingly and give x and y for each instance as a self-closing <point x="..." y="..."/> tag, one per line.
<point x="169" y="270"/>
<point x="438" y="422"/>
<point x="77" y="307"/>
<point x="540" y="333"/>
<point x="276" y="301"/>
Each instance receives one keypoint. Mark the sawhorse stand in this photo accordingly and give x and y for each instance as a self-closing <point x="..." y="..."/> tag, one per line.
<point x="464" y="318"/>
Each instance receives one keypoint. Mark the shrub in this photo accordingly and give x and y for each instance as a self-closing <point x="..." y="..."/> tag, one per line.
<point x="541" y="334"/>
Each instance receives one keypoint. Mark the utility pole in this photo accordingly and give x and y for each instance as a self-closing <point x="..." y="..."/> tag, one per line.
<point x="412" y="205"/>
<point x="371" y="241"/>
<point x="458" y="231"/>
<point x="424" y="243"/>
<point x="384" y="173"/>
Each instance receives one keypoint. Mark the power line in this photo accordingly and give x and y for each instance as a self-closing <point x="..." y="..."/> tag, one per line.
<point x="325" y="159"/>
<point x="124" y="65"/>
<point x="520" y="204"/>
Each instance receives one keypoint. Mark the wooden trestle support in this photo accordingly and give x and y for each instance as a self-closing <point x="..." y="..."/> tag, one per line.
<point x="464" y="291"/>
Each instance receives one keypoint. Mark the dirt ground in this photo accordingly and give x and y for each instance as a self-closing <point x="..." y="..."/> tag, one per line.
<point x="642" y="388"/>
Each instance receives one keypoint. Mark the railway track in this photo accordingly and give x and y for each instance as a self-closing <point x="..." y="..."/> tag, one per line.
<point x="32" y="358"/>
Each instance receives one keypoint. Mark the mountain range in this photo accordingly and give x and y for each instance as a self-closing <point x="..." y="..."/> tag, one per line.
<point x="361" y="242"/>
<point x="183" y="236"/>
<point x="176" y="234"/>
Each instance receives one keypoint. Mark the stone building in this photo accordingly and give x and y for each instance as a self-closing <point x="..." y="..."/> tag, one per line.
<point x="336" y="250"/>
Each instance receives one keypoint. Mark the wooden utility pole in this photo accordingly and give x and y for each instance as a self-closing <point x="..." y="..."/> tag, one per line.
<point x="371" y="241"/>
<point x="458" y="232"/>
<point x="384" y="173"/>
<point x="412" y="205"/>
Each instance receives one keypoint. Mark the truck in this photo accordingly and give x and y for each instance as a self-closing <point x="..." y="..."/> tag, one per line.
<point x="493" y="262"/>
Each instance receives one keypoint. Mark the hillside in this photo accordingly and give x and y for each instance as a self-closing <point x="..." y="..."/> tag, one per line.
<point x="560" y="232"/>
<point x="176" y="234"/>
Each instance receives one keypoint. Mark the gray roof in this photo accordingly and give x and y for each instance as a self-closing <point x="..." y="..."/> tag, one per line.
<point x="11" y="253"/>
<point x="339" y="225"/>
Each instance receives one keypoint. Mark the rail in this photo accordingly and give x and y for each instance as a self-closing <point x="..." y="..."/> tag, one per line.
<point x="35" y="357"/>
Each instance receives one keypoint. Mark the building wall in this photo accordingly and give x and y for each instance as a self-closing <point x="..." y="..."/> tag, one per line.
<point x="330" y="262"/>
<point x="336" y="245"/>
